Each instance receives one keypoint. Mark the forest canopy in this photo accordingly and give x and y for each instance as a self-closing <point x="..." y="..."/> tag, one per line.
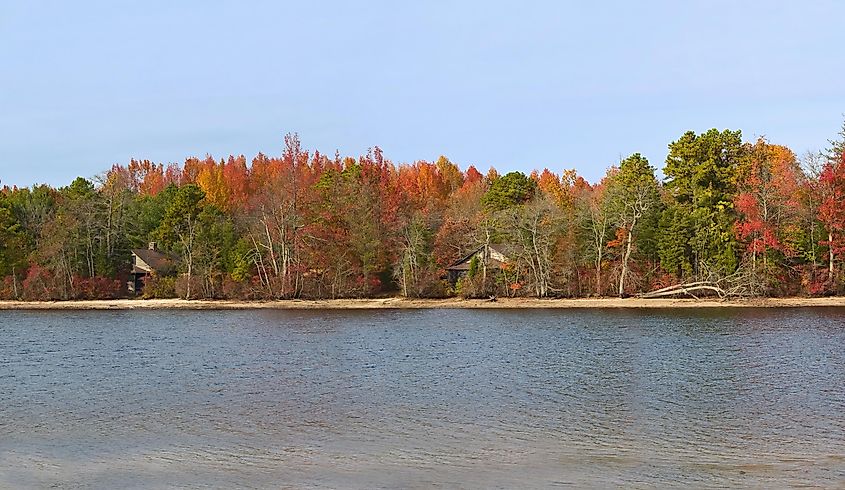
<point x="749" y="215"/>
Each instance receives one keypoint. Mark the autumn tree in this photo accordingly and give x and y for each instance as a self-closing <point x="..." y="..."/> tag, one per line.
<point x="415" y="270"/>
<point x="210" y="178"/>
<point x="461" y="231"/>
<point x="357" y="225"/>
<point x="563" y="191"/>
<point x="768" y="205"/>
<point x="532" y="229"/>
<point x="279" y="214"/>
<point x="450" y="175"/>
<point x="594" y="218"/>
<point x="373" y="223"/>
<point x="832" y="211"/>
<point x="145" y="177"/>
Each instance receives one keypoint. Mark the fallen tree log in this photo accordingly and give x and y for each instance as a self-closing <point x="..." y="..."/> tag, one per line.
<point x="677" y="286"/>
<point x="688" y="289"/>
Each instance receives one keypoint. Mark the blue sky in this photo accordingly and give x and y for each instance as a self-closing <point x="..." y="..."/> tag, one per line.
<point x="516" y="85"/>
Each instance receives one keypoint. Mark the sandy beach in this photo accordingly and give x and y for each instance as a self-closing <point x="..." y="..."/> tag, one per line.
<point x="403" y="303"/>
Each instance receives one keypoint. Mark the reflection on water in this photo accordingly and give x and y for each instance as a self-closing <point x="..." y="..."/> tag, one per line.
<point x="383" y="399"/>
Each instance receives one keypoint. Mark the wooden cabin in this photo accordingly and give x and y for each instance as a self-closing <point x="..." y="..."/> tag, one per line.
<point x="497" y="256"/>
<point x="146" y="262"/>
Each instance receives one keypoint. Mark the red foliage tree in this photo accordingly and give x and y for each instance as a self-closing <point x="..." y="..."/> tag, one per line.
<point x="832" y="210"/>
<point x="767" y="201"/>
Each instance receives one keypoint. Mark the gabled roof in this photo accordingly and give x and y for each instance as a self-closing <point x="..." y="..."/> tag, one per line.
<point x="505" y="249"/>
<point x="158" y="261"/>
<point x="502" y="249"/>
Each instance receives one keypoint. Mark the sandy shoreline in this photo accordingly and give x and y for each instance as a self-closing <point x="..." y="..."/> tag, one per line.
<point x="401" y="303"/>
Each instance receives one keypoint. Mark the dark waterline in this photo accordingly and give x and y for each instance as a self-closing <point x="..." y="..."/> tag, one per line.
<point x="384" y="398"/>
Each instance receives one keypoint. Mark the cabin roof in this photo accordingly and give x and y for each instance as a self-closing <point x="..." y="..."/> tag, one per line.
<point x="462" y="264"/>
<point x="157" y="261"/>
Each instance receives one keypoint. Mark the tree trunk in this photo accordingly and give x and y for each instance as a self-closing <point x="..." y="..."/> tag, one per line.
<point x="270" y="247"/>
<point x="258" y="259"/>
<point x="830" y="250"/>
<point x="108" y="227"/>
<point x="542" y="276"/>
<point x="485" y="254"/>
<point x="813" y="241"/>
<point x="754" y="260"/>
<point x="687" y="289"/>
<point x="188" y="287"/>
<point x="625" y="259"/>
<point x="598" y="275"/>
<point x="188" y="244"/>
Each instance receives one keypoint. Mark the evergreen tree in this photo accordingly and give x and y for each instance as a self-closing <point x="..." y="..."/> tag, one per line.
<point x="180" y="226"/>
<point x="701" y="186"/>
<point x="511" y="189"/>
<point x="635" y="199"/>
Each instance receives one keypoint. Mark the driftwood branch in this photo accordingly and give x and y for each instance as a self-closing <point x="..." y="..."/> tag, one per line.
<point x="745" y="282"/>
<point x="675" y="287"/>
<point x="688" y="289"/>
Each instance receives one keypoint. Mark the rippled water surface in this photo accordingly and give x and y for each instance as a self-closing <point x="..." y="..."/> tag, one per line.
<point x="451" y="398"/>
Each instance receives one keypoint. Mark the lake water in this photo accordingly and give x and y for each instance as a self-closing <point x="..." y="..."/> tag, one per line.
<point x="449" y="398"/>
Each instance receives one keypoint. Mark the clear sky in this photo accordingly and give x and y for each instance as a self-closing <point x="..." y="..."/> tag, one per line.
<point x="516" y="85"/>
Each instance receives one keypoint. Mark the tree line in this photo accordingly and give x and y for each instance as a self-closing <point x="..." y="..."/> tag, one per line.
<point x="751" y="216"/>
